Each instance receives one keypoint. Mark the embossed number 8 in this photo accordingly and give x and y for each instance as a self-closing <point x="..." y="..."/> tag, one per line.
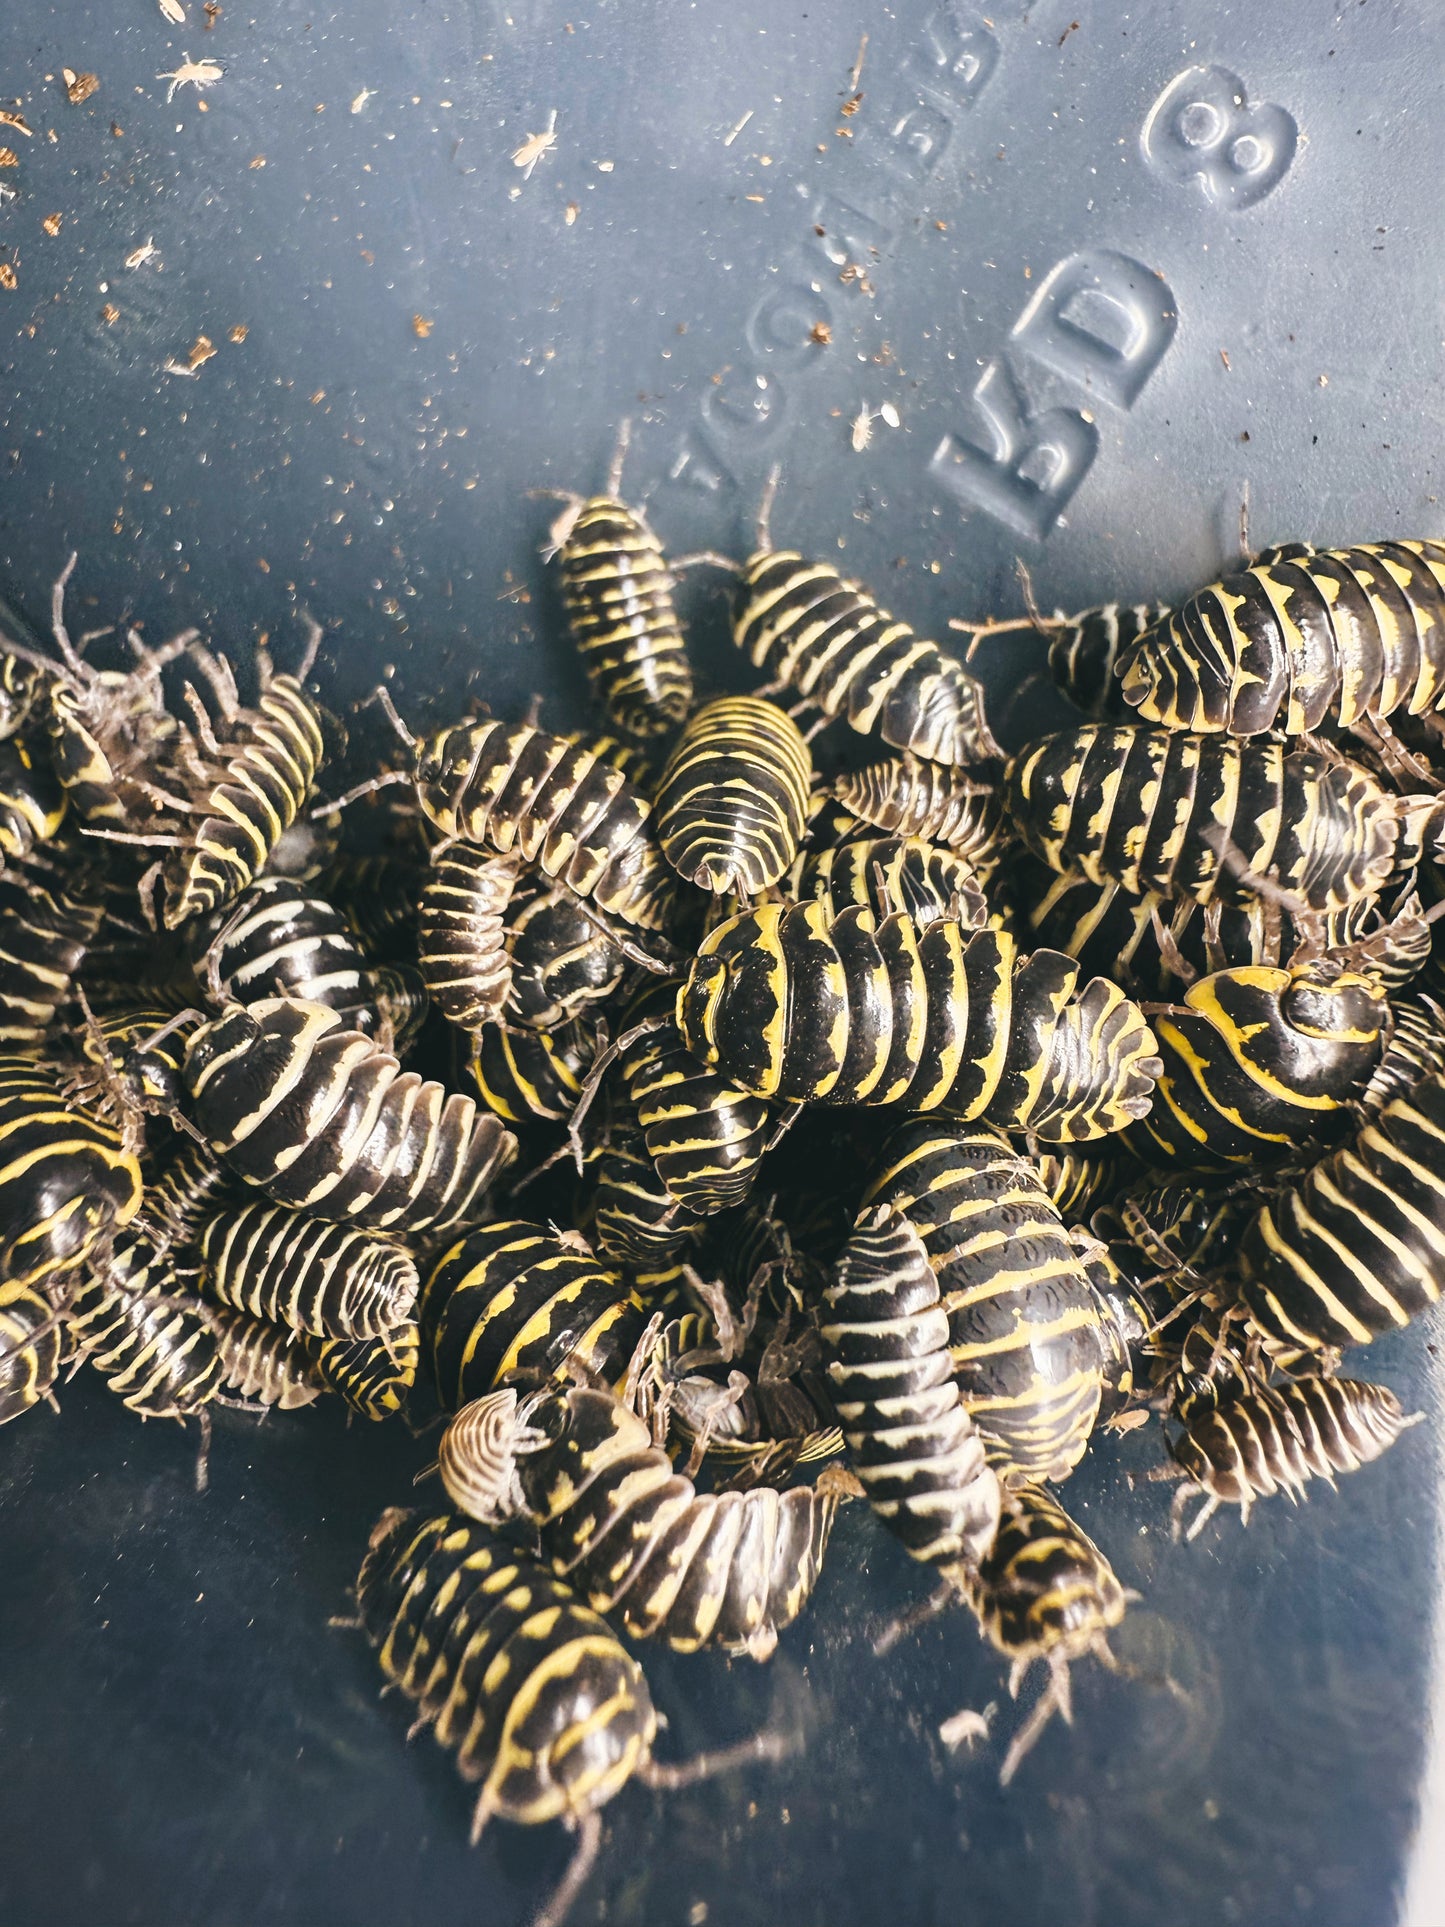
<point x="1203" y="128"/>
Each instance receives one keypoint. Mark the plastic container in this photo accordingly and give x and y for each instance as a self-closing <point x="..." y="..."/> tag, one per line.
<point x="307" y="337"/>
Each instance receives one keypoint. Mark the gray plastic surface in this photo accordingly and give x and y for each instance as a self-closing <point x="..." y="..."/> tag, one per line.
<point x="1108" y="267"/>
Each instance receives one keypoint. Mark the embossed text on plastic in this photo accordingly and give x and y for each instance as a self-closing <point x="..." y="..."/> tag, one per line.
<point x="1032" y="464"/>
<point x="957" y="58"/>
<point x="1100" y="319"/>
<point x="1204" y="128"/>
<point x="939" y="81"/>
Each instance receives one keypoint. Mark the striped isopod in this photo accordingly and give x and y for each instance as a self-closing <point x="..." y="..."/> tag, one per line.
<point x="1275" y="1438"/>
<point x="513" y="786"/>
<point x="617" y="591"/>
<point x="541" y="1702"/>
<point x="106" y="733"/>
<point x="910" y="1440"/>
<point x="1218" y="1361"/>
<point x="278" y="939"/>
<point x="262" y="1363"/>
<point x="904" y="796"/>
<point x="32" y="802"/>
<point x="330" y="1280"/>
<point x="1258" y="1062"/>
<point x="543" y="1705"/>
<point x="1044" y="1592"/>
<point x="1026" y="1328"/>
<point x="139" y="1049"/>
<point x="1297" y="640"/>
<point x="886" y="873"/>
<point x="1178" y="1226"/>
<point x="1084" y="651"/>
<point x="733" y="800"/>
<point x="635" y="1218"/>
<point x="67" y="1182"/>
<point x="242" y="783"/>
<point x="706" y="1135"/>
<point x="1083" y="648"/>
<point x="1357" y="1246"/>
<point x="477" y="1457"/>
<point x="864" y="1010"/>
<point x="154" y="1348"/>
<point x="44" y="935"/>
<point x="182" y="1191"/>
<point x="814" y="631"/>
<point x="374" y="1376"/>
<point x="524" y="1075"/>
<point x="461" y="937"/>
<point x="319" y="1117"/>
<point x="1203" y="817"/>
<point x="109" y="730"/>
<point x="1158" y="945"/>
<point x="519" y="1300"/>
<point x="561" y="961"/>
<point x="1414" y="1049"/>
<point x="30" y="1343"/>
<point x="727" y="1569"/>
<point x="1120" y="1281"/>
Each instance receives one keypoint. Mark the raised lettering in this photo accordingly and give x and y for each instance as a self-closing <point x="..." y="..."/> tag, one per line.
<point x="1100" y="319"/>
<point x="1025" y="468"/>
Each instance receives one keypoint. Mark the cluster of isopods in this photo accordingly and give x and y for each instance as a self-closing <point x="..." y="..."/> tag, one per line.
<point x="886" y="1183"/>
